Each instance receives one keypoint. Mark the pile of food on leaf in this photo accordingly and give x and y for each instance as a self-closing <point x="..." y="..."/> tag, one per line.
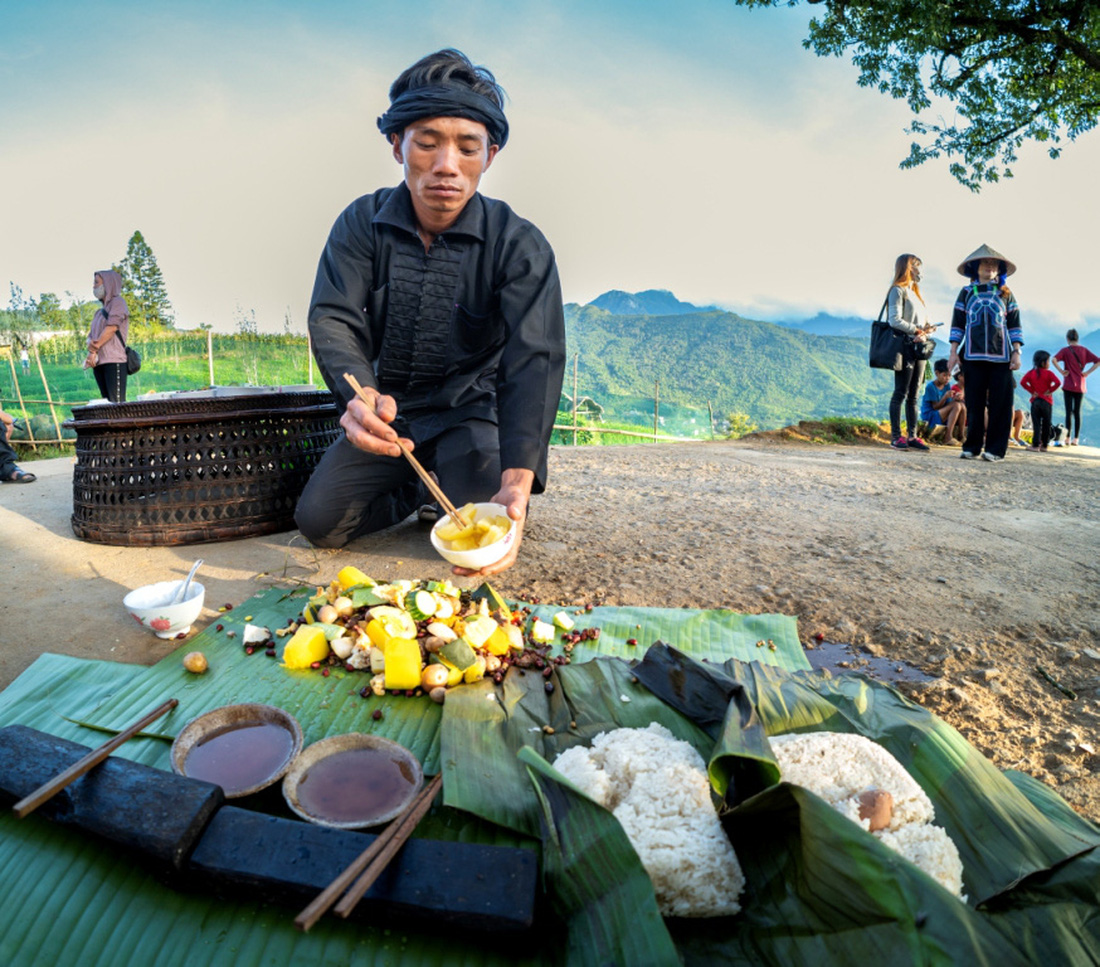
<point x="418" y="637"/>
<point x="423" y="637"/>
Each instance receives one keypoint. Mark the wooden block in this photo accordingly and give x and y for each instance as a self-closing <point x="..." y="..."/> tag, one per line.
<point x="466" y="885"/>
<point x="158" y="813"/>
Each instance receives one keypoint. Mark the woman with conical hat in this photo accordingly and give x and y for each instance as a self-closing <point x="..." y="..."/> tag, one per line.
<point x="985" y="340"/>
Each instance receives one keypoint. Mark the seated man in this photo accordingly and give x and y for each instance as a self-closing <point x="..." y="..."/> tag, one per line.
<point x="446" y="307"/>
<point x="9" y="472"/>
<point x="941" y="406"/>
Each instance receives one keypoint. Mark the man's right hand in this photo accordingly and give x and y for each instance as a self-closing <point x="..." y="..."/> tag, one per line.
<point x="368" y="427"/>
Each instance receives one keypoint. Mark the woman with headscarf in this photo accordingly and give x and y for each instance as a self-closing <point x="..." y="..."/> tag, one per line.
<point x="986" y="337"/>
<point x="106" y="341"/>
<point x="907" y="313"/>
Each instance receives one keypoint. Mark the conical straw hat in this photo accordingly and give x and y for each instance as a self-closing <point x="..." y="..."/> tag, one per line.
<point x="985" y="252"/>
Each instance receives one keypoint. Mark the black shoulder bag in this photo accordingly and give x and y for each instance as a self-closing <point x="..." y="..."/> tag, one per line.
<point x="133" y="360"/>
<point x="887" y="344"/>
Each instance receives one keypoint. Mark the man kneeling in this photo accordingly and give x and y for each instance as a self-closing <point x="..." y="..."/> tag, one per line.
<point x="446" y="307"/>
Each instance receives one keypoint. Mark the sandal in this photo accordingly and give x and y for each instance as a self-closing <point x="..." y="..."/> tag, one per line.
<point x="20" y="476"/>
<point x="428" y="514"/>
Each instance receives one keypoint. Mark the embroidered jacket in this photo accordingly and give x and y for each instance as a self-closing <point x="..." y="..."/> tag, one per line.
<point x="985" y="323"/>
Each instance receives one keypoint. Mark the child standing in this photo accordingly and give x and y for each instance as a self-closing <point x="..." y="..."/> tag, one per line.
<point x="1071" y="361"/>
<point x="1041" y="383"/>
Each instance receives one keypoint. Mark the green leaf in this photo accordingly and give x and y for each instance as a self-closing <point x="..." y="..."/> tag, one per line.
<point x="1000" y="834"/>
<point x="485" y="726"/>
<point x="598" y="886"/>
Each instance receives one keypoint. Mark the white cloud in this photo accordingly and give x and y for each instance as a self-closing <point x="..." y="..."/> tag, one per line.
<point x="725" y="164"/>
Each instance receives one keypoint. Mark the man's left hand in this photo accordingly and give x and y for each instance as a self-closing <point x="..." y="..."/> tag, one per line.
<point x="514" y="493"/>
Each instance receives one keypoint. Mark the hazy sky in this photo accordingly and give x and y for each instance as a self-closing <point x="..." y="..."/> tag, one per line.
<point x="688" y="145"/>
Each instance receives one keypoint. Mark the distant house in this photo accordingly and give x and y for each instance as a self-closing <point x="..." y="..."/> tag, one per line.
<point x="586" y="407"/>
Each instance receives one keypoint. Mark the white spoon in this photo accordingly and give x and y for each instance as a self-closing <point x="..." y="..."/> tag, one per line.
<point x="182" y="592"/>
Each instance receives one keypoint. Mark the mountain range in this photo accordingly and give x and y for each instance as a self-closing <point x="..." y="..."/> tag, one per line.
<point x="775" y="373"/>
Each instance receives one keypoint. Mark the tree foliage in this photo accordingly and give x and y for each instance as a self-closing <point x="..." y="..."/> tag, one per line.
<point x="1015" y="70"/>
<point x="143" y="286"/>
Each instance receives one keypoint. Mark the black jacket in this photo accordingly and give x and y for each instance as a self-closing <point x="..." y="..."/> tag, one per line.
<point x="471" y="329"/>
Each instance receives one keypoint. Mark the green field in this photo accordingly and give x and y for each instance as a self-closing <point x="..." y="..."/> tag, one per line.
<point x="178" y="361"/>
<point x="170" y="362"/>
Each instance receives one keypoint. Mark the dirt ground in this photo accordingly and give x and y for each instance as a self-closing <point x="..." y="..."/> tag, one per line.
<point x="983" y="576"/>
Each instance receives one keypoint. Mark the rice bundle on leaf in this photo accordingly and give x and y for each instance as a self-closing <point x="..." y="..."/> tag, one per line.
<point x="842" y="767"/>
<point x="657" y="788"/>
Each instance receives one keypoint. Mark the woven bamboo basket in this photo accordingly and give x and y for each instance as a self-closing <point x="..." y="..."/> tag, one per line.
<point x="200" y="468"/>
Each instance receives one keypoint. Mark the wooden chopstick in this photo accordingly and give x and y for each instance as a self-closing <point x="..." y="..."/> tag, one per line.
<point x="28" y="804"/>
<point x="402" y="828"/>
<point x="416" y="465"/>
<point x="331" y="893"/>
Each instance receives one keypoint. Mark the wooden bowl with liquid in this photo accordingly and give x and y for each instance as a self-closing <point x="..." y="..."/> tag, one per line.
<point x="242" y="748"/>
<point x="352" y="781"/>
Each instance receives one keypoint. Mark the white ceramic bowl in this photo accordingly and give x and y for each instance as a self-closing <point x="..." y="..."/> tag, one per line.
<point x="149" y="606"/>
<point x="481" y="556"/>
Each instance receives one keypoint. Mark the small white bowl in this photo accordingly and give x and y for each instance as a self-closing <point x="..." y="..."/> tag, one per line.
<point x="479" y="557"/>
<point x="149" y="606"/>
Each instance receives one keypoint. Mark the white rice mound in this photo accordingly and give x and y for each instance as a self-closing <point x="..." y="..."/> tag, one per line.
<point x="930" y="848"/>
<point x="838" y="766"/>
<point x="657" y="788"/>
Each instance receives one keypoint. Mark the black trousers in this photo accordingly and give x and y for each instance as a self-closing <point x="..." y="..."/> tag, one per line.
<point x="352" y="492"/>
<point x="111" y="380"/>
<point x="1040" y="422"/>
<point x="1073" y="412"/>
<point x="907" y="383"/>
<point x="989" y="387"/>
<point x="7" y="455"/>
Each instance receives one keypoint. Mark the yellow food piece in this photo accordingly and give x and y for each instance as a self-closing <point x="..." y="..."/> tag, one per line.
<point x="542" y="632"/>
<point x="499" y="642"/>
<point x="402" y="663"/>
<point x="350" y="576"/>
<point x="195" y="661"/>
<point x="515" y="636"/>
<point x="454" y="673"/>
<point x="479" y="533"/>
<point x="479" y="629"/>
<point x="493" y="533"/>
<point x="395" y="622"/>
<point x="450" y="531"/>
<point x="307" y="645"/>
<point x="476" y="672"/>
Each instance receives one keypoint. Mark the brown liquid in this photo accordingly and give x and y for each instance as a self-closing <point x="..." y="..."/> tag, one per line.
<point x="356" y="785"/>
<point x="241" y="756"/>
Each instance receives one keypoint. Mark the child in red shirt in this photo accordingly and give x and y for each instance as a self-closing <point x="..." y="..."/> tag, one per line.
<point x="1041" y="383"/>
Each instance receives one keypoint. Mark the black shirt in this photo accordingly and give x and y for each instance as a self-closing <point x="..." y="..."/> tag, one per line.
<point x="471" y="329"/>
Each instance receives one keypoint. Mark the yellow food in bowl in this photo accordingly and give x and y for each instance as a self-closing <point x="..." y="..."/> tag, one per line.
<point x="475" y="533"/>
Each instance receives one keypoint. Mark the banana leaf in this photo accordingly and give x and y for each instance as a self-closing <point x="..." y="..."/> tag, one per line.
<point x="485" y="726"/>
<point x="332" y="705"/>
<point x="821" y="890"/>
<point x="115" y="912"/>
<point x="1001" y="836"/>
<point x="599" y="889"/>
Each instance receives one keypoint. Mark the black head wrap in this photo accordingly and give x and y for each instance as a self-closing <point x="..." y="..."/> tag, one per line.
<point x="445" y="100"/>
